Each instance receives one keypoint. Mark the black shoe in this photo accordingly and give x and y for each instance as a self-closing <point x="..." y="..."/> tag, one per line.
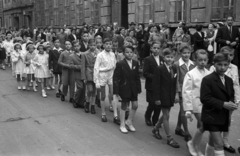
<point x="116" y="120"/>
<point x="93" y="109"/>
<point x="74" y="104"/>
<point x="104" y="118"/>
<point x="229" y="149"/>
<point x="71" y="100"/>
<point x="126" y="115"/>
<point x="62" y="97"/>
<point x="58" y="95"/>
<point x="238" y="149"/>
<point x="148" y="122"/>
<point x="86" y="107"/>
<point x="187" y="137"/>
<point x="180" y="132"/>
<point x="156" y="134"/>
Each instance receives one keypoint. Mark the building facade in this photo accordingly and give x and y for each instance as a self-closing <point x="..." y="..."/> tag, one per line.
<point x="18" y="13"/>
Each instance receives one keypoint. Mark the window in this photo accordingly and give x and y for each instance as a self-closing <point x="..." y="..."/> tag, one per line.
<point x="46" y="4"/>
<point x="46" y="18"/>
<point x="144" y="11"/>
<point x="222" y="8"/>
<point x="55" y="3"/>
<point x="66" y="2"/>
<point x="177" y="11"/>
<point x="95" y="12"/>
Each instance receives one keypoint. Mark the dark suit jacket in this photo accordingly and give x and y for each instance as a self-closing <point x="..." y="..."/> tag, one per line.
<point x="120" y="40"/>
<point x="126" y="81"/>
<point x="83" y="48"/>
<point x="53" y="61"/>
<point x="164" y="86"/>
<point x="88" y="61"/>
<point x="43" y="37"/>
<point x="75" y="64"/>
<point x="198" y="41"/>
<point x="149" y="67"/>
<point x="223" y="35"/>
<point x="71" y="37"/>
<point x="212" y="95"/>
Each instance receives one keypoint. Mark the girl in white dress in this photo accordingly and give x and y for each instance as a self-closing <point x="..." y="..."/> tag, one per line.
<point x="18" y="61"/>
<point x="42" y="70"/>
<point x="30" y="67"/>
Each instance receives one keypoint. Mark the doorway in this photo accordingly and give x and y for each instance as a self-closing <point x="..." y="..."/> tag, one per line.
<point x="124" y="13"/>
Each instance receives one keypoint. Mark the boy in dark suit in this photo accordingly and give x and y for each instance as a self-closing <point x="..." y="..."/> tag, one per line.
<point x="76" y="66"/>
<point x="127" y="86"/>
<point x="54" y="66"/>
<point x="84" y="42"/>
<point x="217" y="97"/>
<point x="164" y="92"/>
<point x="150" y="64"/>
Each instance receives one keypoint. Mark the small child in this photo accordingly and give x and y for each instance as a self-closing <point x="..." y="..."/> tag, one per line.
<point x="84" y="43"/>
<point x="217" y="97"/>
<point x="42" y="70"/>
<point x="18" y="61"/>
<point x="99" y="44"/>
<point x="164" y="92"/>
<point x="8" y="45"/>
<point x="126" y="87"/>
<point x="29" y="69"/>
<point x="88" y="60"/>
<point x="103" y="75"/>
<point x="232" y="72"/>
<point x="191" y="98"/>
<point x="184" y="64"/>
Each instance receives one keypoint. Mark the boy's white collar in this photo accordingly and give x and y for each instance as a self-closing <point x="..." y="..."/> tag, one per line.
<point x="181" y="62"/>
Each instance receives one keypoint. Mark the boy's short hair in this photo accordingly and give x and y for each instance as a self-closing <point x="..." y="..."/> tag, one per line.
<point x="98" y="39"/>
<point x="156" y="42"/>
<point x="183" y="47"/>
<point x="201" y="51"/>
<point x="57" y="39"/>
<point x="128" y="46"/>
<point x="91" y="41"/>
<point x="226" y="48"/>
<point x="85" y="32"/>
<point x="221" y="57"/>
<point x="68" y="41"/>
<point x="168" y="51"/>
<point x="75" y="42"/>
<point x="107" y="40"/>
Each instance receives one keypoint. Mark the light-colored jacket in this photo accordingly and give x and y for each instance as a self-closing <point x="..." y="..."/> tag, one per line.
<point x="191" y="90"/>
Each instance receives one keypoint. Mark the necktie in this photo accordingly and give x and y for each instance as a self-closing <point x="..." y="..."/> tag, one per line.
<point x="171" y="71"/>
<point x="230" y="31"/>
<point x="223" y="80"/>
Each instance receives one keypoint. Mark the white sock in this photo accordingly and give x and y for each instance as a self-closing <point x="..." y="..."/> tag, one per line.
<point x="219" y="153"/>
<point x="209" y="150"/>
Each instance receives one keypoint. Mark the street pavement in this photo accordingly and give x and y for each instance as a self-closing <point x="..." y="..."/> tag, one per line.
<point x="34" y="126"/>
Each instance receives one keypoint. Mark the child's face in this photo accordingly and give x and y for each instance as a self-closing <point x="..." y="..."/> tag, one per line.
<point x="68" y="45"/>
<point x="230" y="54"/>
<point x="221" y="67"/>
<point x="155" y="49"/>
<point x="108" y="46"/>
<point x="99" y="44"/>
<point x="85" y="37"/>
<point x="31" y="48"/>
<point x="92" y="46"/>
<point x="128" y="53"/>
<point x="18" y="47"/>
<point x="9" y="36"/>
<point x="169" y="59"/>
<point x="186" y="55"/>
<point x="77" y="47"/>
<point x="57" y="44"/>
<point x="115" y="46"/>
<point x="201" y="61"/>
<point x="40" y="49"/>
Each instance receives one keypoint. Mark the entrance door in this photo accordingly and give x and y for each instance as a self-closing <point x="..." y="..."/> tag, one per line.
<point x="124" y="13"/>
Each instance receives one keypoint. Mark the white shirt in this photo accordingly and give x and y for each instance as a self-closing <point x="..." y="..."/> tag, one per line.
<point x="222" y="79"/>
<point x="181" y="62"/>
<point x="168" y="67"/>
<point x="129" y="63"/>
<point x="59" y="49"/>
<point x="200" y="33"/>
<point x="157" y="59"/>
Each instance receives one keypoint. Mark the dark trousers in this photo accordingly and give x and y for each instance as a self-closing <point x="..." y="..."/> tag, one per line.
<point x="79" y="96"/>
<point x="153" y="111"/>
<point x="68" y="81"/>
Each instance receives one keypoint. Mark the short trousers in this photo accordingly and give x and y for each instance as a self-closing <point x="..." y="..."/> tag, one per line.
<point x="131" y="98"/>
<point x="91" y="86"/>
<point x="216" y="128"/>
<point x="30" y="77"/>
<point x="106" y="78"/>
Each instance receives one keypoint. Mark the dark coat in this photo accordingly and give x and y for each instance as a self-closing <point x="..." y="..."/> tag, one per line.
<point x="120" y="40"/>
<point x="164" y="86"/>
<point x="2" y="53"/>
<point x="213" y="94"/>
<point x="71" y="37"/>
<point x="53" y="61"/>
<point x="223" y="35"/>
<point x="198" y="41"/>
<point x="126" y="81"/>
<point x="149" y="67"/>
<point x="83" y="48"/>
<point x="88" y="61"/>
<point x="75" y="64"/>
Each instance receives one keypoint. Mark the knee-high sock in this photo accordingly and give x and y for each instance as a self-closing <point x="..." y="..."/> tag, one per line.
<point x="219" y="153"/>
<point x="209" y="150"/>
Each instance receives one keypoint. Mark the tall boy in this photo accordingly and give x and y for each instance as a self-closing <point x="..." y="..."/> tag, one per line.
<point x="184" y="64"/>
<point x="150" y="64"/>
<point x="76" y="66"/>
<point x="127" y="86"/>
<point x="84" y="42"/>
<point x="217" y="97"/>
<point x="164" y="92"/>
<point x="103" y="75"/>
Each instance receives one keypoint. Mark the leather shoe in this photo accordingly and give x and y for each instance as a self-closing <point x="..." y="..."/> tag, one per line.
<point x="238" y="149"/>
<point x="123" y="130"/>
<point x="191" y="148"/>
<point x="148" y="122"/>
<point x="116" y="120"/>
<point x="187" y="137"/>
<point x="86" y="108"/>
<point x="104" y="118"/>
<point x="180" y="132"/>
<point x="156" y="134"/>
<point x="229" y="149"/>
<point x="93" y="109"/>
<point x="74" y="104"/>
<point x="62" y="97"/>
<point x="71" y="100"/>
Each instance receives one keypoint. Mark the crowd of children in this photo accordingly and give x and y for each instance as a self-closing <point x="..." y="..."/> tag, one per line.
<point x="94" y="69"/>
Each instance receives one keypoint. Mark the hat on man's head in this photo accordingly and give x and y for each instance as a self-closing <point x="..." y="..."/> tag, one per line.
<point x="132" y="23"/>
